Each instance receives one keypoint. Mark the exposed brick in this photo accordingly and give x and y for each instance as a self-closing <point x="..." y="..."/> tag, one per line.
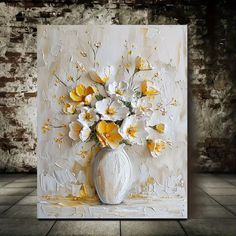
<point x="212" y="70"/>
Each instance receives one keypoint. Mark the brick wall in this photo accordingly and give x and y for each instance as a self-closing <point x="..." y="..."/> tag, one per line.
<point x="212" y="70"/>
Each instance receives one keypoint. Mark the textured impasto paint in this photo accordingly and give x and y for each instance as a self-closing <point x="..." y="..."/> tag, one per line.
<point x="70" y="55"/>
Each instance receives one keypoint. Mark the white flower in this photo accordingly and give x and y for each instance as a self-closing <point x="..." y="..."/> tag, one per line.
<point x="133" y="130"/>
<point x="142" y="106"/>
<point x="117" y="89"/>
<point x="156" y="147"/>
<point x="77" y="131"/>
<point x="101" y="77"/>
<point x="90" y="100"/>
<point x="111" y="109"/>
<point x="87" y="116"/>
<point x="121" y="90"/>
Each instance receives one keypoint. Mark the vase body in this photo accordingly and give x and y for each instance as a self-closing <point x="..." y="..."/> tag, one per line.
<point x="112" y="175"/>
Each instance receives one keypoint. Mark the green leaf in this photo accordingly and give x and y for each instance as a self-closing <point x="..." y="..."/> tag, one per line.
<point x="138" y="94"/>
<point x="119" y="122"/>
<point x="126" y="142"/>
<point x="128" y="104"/>
<point x="99" y="97"/>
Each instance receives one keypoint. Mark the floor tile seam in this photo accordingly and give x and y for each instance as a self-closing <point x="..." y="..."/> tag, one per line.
<point x="220" y="203"/>
<point x="23" y="196"/>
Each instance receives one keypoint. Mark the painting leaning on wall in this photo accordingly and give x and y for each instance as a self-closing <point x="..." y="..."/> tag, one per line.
<point x="112" y="122"/>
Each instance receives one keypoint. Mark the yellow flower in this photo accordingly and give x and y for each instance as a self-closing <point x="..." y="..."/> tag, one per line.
<point x="156" y="147"/>
<point x="80" y="93"/>
<point x="160" y="128"/>
<point x="97" y="78"/>
<point x="107" y="133"/>
<point x="69" y="108"/>
<point x="148" y="88"/>
<point x="127" y="66"/>
<point x="46" y="127"/>
<point x="142" y="64"/>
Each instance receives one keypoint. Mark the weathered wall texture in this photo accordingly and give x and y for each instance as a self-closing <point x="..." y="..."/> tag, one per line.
<point x="212" y="54"/>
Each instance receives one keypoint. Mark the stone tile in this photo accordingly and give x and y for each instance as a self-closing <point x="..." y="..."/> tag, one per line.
<point x="9" y="200"/>
<point x="21" y="227"/>
<point x="195" y="192"/>
<point x="213" y="183"/>
<point x="232" y="209"/>
<point x="210" y="227"/>
<point x="21" y="212"/>
<point x="15" y="191"/>
<point x="86" y="228"/>
<point x="3" y="208"/>
<point x="207" y="178"/>
<point x="22" y="185"/>
<point x="34" y="193"/>
<point x="151" y="227"/>
<point x="227" y="177"/>
<point x="220" y="191"/>
<point x="233" y="182"/>
<point x="3" y="183"/>
<point x="26" y="179"/>
<point x="28" y="200"/>
<point x="11" y="176"/>
<point x="225" y="200"/>
<point x="209" y="212"/>
<point x="201" y="199"/>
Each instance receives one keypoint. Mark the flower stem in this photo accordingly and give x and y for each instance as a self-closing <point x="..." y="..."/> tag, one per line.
<point x="60" y="80"/>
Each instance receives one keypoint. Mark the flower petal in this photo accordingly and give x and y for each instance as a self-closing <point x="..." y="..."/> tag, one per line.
<point x="142" y="64"/>
<point x="156" y="147"/>
<point x="75" y="97"/>
<point x="80" y="90"/>
<point x="75" y="128"/>
<point x="69" y="108"/>
<point x="133" y="130"/>
<point x="101" y="127"/>
<point x="85" y="133"/>
<point x="97" y="78"/>
<point x="107" y="133"/>
<point x="148" y="88"/>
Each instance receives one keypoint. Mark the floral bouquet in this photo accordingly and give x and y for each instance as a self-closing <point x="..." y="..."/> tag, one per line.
<point x="113" y="113"/>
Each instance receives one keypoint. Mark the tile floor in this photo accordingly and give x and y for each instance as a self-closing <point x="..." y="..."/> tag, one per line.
<point x="212" y="211"/>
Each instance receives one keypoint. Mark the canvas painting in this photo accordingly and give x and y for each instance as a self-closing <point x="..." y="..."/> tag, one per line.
<point x="112" y="122"/>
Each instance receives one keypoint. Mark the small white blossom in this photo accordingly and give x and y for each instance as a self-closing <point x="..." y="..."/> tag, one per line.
<point x="87" y="116"/>
<point x="133" y="130"/>
<point x="78" y="131"/>
<point x="112" y="109"/>
<point x="117" y="89"/>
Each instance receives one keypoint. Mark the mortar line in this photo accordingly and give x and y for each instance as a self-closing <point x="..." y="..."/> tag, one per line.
<point x="92" y="15"/>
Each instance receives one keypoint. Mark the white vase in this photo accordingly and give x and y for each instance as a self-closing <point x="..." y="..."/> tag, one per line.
<point x="112" y="175"/>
